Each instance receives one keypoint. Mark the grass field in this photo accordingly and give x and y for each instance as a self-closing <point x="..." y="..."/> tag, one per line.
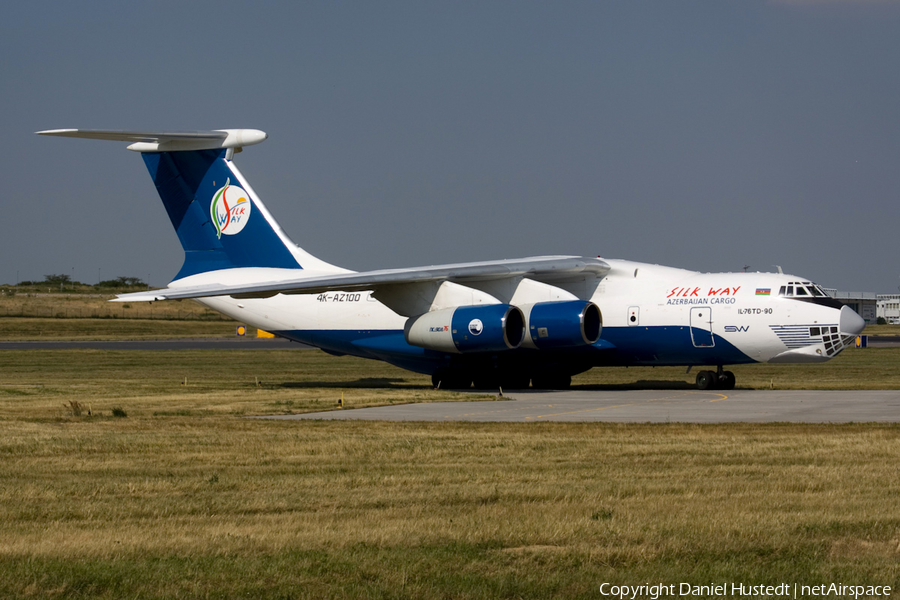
<point x="31" y="328"/>
<point x="180" y="507"/>
<point x="877" y="330"/>
<point x="183" y="497"/>
<point x="84" y="305"/>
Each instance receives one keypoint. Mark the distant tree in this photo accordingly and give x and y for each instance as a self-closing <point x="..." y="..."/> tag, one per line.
<point x="122" y="282"/>
<point x="881" y="321"/>
<point x="58" y="279"/>
<point x="131" y="281"/>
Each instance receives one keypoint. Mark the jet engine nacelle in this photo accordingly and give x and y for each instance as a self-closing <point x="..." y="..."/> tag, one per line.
<point x="564" y="324"/>
<point x="482" y="328"/>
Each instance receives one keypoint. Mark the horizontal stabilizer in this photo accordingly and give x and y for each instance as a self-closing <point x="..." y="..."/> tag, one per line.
<point x="144" y="141"/>
<point x="542" y="268"/>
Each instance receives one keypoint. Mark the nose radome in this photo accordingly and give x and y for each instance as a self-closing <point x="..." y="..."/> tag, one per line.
<point x="851" y="323"/>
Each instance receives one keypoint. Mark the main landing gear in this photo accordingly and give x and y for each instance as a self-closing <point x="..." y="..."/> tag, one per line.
<point x="715" y="380"/>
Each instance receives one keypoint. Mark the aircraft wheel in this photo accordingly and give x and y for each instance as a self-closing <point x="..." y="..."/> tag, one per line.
<point x="727" y="381"/>
<point x="706" y="380"/>
<point x="552" y="382"/>
<point x="486" y="382"/>
<point x="515" y="381"/>
<point x="459" y="382"/>
<point x="446" y="379"/>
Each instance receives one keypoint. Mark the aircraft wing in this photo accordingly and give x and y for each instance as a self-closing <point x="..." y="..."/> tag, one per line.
<point x="542" y="268"/>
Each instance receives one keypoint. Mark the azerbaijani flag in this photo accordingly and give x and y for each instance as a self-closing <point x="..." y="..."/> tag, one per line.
<point x="763" y="291"/>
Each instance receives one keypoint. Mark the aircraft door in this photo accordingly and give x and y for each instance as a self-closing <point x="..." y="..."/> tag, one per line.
<point x="634" y="316"/>
<point x="701" y="327"/>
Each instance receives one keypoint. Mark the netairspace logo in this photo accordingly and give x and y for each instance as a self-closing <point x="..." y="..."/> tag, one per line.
<point x="737" y="590"/>
<point x="229" y="209"/>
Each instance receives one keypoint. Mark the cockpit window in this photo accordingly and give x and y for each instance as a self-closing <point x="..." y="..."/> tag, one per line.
<point x="803" y="289"/>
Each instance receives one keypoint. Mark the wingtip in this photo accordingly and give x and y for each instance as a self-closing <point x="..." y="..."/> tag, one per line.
<point x="55" y="131"/>
<point x="139" y="297"/>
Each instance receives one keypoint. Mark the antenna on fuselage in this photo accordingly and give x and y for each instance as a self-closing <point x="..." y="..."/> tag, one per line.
<point x="780" y="272"/>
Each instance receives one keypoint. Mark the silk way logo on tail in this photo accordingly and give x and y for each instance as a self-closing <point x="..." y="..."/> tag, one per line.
<point x="230" y="209"/>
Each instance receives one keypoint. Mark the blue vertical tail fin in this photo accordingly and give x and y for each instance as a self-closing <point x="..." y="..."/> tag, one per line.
<point x="220" y="221"/>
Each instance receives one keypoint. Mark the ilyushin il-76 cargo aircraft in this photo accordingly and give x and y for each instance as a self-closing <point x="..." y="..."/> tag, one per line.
<point x="500" y="323"/>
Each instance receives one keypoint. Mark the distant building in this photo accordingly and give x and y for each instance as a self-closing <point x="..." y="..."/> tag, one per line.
<point x="864" y="303"/>
<point x="889" y="308"/>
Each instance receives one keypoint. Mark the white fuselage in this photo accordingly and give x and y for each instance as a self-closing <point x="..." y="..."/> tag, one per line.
<point x="652" y="314"/>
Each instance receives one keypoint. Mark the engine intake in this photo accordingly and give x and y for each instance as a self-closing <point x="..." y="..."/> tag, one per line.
<point x="564" y="324"/>
<point x="482" y="328"/>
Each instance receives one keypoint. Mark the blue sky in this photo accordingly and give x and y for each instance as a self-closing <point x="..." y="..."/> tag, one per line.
<point x="704" y="135"/>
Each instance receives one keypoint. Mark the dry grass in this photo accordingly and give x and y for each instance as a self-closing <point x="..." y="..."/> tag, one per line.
<point x="163" y="507"/>
<point x="37" y="383"/>
<point x="876" y="330"/>
<point x="43" y="329"/>
<point x="98" y="305"/>
<point x="184" y="498"/>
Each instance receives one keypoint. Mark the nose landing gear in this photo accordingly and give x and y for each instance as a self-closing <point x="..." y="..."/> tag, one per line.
<point x="715" y="380"/>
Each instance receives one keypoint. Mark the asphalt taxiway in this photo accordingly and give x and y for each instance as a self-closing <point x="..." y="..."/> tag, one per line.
<point x="647" y="406"/>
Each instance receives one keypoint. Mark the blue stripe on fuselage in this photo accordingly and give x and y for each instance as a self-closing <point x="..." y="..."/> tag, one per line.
<point x="666" y="346"/>
<point x="619" y="346"/>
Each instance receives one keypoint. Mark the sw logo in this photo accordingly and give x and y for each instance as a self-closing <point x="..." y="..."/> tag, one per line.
<point x="736" y="328"/>
<point x="230" y="209"/>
